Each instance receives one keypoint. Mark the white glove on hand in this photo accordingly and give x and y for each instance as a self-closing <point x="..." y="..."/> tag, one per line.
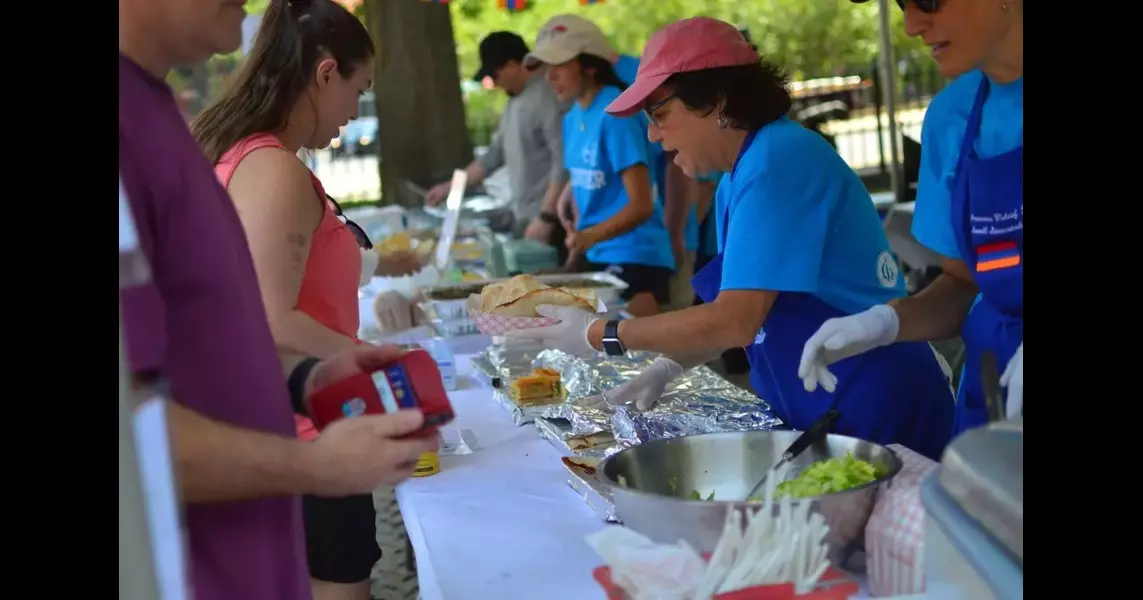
<point x="841" y="338"/>
<point x="394" y="312"/>
<point x="647" y="388"/>
<point x="569" y="335"/>
<point x="1013" y="379"/>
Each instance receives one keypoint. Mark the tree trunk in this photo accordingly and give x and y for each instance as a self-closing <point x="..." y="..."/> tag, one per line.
<point x="422" y="132"/>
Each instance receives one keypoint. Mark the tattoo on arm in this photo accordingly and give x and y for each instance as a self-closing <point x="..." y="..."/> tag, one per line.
<point x="298" y="243"/>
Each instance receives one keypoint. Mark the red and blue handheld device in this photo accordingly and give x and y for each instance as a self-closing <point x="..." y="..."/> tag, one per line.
<point x="411" y="381"/>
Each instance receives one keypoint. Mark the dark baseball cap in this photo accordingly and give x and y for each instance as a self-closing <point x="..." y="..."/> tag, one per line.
<point x="498" y="49"/>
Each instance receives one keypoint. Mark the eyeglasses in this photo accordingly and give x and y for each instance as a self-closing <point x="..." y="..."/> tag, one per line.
<point x="926" y="6"/>
<point x="354" y="228"/>
<point x="650" y="109"/>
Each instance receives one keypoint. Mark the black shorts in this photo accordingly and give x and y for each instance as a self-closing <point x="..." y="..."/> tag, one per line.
<point x="341" y="538"/>
<point x="639" y="279"/>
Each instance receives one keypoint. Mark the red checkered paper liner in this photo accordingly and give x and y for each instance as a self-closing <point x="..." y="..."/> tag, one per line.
<point x="490" y="324"/>
<point x="895" y="534"/>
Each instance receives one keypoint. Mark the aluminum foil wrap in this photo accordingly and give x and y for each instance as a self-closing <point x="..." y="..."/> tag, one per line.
<point x="500" y="363"/>
<point x="557" y="432"/>
<point x="698" y="401"/>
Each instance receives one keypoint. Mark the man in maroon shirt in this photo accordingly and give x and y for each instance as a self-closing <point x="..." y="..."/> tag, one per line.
<point x="201" y="325"/>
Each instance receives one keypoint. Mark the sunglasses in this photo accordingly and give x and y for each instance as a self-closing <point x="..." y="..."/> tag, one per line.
<point x="354" y="228"/>
<point x="926" y="6"/>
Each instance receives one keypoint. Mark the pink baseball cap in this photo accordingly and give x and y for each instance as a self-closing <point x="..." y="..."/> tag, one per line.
<point x="689" y="45"/>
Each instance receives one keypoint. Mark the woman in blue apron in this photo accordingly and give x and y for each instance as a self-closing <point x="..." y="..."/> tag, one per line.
<point x="799" y="243"/>
<point x="969" y="209"/>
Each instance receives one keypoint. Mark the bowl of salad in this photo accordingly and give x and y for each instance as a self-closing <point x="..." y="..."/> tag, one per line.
<point x="681" y="488"/>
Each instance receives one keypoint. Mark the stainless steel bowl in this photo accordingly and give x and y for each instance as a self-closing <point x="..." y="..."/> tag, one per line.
<point x="659" y="475"/>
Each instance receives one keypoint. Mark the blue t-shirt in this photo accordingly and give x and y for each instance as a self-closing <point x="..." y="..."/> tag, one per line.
<point x="598" y="147"/>
<point x="626" y="68"/>
<point x="1001" y="130"/>
<point x="800" y="220"/>
<point x="709" y="247"/>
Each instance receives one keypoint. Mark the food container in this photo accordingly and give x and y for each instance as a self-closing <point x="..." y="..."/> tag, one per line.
<point x="835" y="584"/>
<point x="659" y="475"/>
<point x="974" y="515"/>
<point x="447" y="300"/>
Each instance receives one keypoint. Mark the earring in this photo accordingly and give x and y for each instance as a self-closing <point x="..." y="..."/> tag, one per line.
<point x="1004" y="7"/>
<point x="722" y="122"/>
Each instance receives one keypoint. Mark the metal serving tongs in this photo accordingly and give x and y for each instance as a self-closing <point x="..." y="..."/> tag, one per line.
<point x="809" y="437"/>
<point x="990" y="383"/>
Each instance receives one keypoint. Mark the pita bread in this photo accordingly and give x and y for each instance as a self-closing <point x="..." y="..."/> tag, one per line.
<point x="519" y="297"/>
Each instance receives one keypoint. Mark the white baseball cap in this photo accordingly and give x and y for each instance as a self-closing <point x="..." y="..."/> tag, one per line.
<point x="564" y="37"/>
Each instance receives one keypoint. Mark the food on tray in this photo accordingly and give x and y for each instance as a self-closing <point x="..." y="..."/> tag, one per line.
<point x="577" y="464"/>
<point x="467" y="250"/>
<point x="534" y="388"/>
<point x="581" y="283"/>
<point x="519" y="297"/>
<point x="458" y="292"/>
<point x="584" y="442"/>
<point x="836" y="474"/>
<point x="398" y="242"/>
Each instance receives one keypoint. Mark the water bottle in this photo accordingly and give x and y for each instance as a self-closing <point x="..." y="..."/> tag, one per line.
<point x="438" y="348"/>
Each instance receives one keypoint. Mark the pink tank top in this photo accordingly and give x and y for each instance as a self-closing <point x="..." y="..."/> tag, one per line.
<point x="333" y="269"/>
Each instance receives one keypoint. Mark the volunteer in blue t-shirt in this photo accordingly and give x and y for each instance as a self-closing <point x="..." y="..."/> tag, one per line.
<point x="970" y="209"/>
<point x="799" y="243"/>
<point x="620" y="226"/>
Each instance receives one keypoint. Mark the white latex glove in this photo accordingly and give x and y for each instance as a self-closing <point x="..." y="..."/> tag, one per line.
<point x="394" y="312"/>
<point x="841" y="338"/>
<point x="647" y="388"/>
<point x="1013" y="379"/>
<point x="569" y="335"/>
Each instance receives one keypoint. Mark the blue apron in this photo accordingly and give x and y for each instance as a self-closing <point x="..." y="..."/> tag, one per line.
<point x="988" y="218"/>
<point x="893" y="394"/>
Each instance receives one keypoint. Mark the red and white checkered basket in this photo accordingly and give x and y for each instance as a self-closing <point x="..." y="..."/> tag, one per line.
<point x="895" y="534"/>
<point x="490" y="324"/>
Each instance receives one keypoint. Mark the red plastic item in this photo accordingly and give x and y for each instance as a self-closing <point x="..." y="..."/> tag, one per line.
<point x="834" y="585"/>
<point x="412" y="381"/>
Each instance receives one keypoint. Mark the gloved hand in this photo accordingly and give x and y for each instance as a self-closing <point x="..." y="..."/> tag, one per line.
<point x="1013" y="379"/>
<point x="394" y="312"/>
<point x="646" y="388"/>
<point x="842" y="338"/>
<point x="569" y="335"/>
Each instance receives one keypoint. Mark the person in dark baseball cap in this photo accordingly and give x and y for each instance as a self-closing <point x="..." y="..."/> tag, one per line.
<point x="799" y="245"/>
<point x="528" y="141"/>
<point x="498" y="50"/>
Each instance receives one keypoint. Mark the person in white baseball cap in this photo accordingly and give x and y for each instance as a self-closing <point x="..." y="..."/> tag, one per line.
<point x="620" y="226"/>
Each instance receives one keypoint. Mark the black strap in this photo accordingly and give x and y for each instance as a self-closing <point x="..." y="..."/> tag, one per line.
<point x="296" y="384"/>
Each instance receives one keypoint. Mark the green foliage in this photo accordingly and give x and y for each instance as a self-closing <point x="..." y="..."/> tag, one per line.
<point x="816" y="38"/>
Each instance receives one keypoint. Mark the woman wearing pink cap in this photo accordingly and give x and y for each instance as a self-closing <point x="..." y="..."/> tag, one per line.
<point x="799" y="243"/>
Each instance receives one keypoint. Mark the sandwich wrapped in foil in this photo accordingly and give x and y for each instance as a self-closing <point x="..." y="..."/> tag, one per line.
<point x="698" y="401"/>
<point x="558" y="433"/>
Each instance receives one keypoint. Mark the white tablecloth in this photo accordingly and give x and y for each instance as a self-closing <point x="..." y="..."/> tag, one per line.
<point x="500" y="522"/>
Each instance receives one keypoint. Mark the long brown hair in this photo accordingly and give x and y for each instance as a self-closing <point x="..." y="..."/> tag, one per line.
<point x="293" y="37"/>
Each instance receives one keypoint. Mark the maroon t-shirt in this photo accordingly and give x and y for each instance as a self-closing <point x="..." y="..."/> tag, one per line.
<point x="202" y="325"/>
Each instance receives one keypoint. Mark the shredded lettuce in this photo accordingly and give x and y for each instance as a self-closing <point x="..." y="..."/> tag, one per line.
<point x="837" y="474"/>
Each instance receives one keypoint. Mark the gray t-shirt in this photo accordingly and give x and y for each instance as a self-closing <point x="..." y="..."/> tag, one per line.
<point x="529" y="142"/>
<point x="201" y="324"/>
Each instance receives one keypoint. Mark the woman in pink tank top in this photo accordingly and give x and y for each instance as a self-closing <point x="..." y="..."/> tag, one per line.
<point x="309" y="64"/>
